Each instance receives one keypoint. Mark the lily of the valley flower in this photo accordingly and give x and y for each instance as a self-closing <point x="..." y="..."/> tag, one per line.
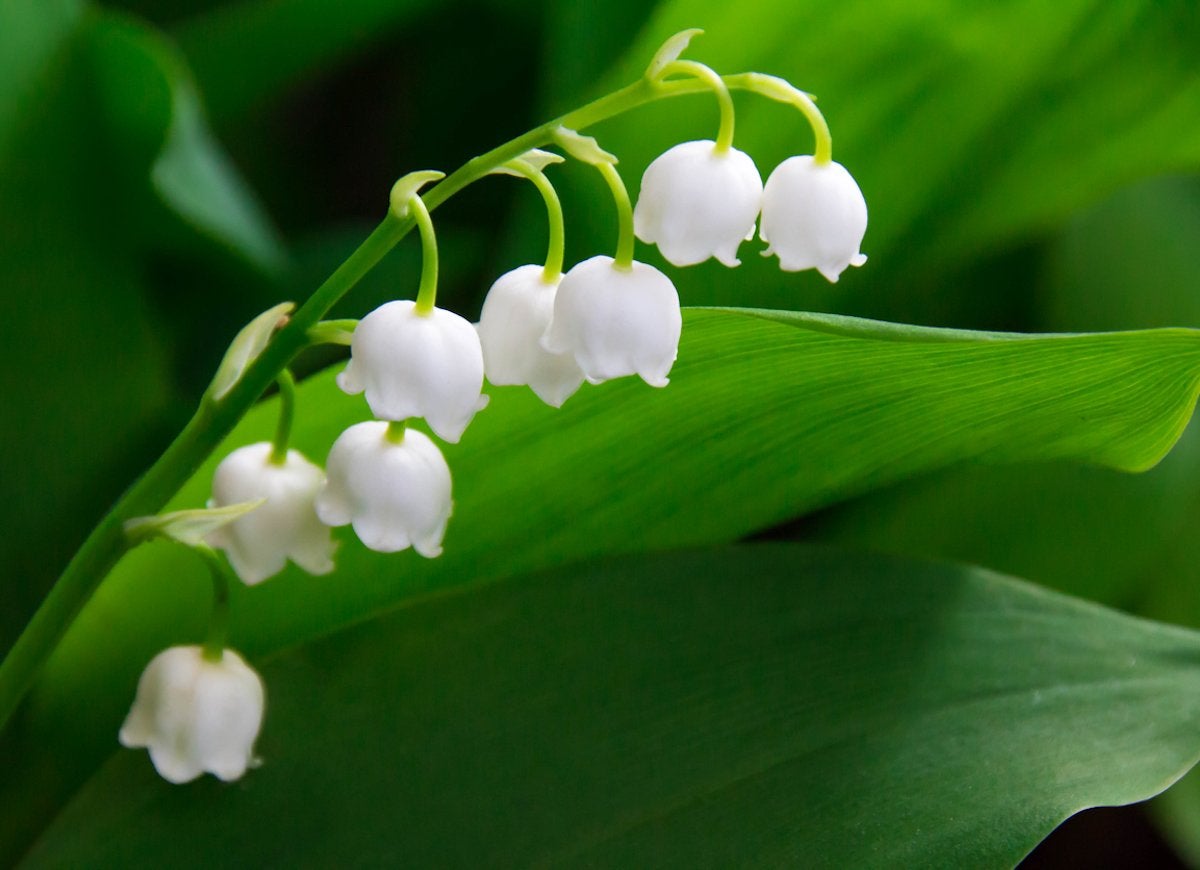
<point x="698" y="202"/>
<point x="814" y="217"/>
<point x="414" y="364"/>
<point x="394" y="490"/>
<point x="514" y="318"/>
<point x="195" y="715"/>
<point x="617" y="321"/>
<point x="285" y="526"/>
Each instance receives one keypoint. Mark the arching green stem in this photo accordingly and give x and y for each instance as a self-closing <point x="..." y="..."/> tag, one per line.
<point x="396" y="430"/>
<point x="427" y="291"/>
<point x="287" y="411"/>
<point x="554" y="219"/>
<point x="784" y="91"/>
<point x="218" y="625"/>
<point x="624" y="255"/>
<point x="720" y="90"/>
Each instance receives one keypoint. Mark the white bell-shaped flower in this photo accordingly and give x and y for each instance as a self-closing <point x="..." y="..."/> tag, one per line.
<point x="396" y="494"/>
<point x="284" y="527"/>
<point x="617" y="321"/>
<point x="515" y="316"/>
<point x="697" y="202"/>
<point x="196" y="716"/>
<point x="814" y="217"/>
<point x="417" y="365"/>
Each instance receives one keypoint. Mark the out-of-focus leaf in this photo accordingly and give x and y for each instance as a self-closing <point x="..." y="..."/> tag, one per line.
<point x="34" y="35"/>
<point x="775" y="413"/>
<point x="97" y="123"/>
<point x="764" y="706"/>
<point x="150" y="100"/>
<point x="968" y="126"/>
<point x="243" y="53"/>
<point x="82" y="371"/>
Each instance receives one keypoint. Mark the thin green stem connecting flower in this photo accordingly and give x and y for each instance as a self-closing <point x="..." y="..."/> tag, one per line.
<point x="218" y="625"/>
<point x="554" y="218"/>
<point x="287" y="412"/>
<point x="624" y="255"/>
<point x="396" y="430"/>
<point x="427" y="290"/>
<point x="720" y="90"/>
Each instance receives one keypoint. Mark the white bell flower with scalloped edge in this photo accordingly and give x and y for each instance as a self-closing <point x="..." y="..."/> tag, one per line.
<point x="697" y="202"/>
<point x="417" y="365"/>
<point x="813" y="217"/>
<point x="195" y="715"/>
<point x="515" y="316"/>
<point x="284" y="527"/>
<point x="617" y="321"/>
<point x="396" y="494"/>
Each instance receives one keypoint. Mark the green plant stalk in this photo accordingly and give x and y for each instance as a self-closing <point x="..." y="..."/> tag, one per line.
<point x="623" y="259"/>
<point x="215" y="419"/>
<point x="287" y="413"/>
<point x="218" y="624"/>
<point x="724" y="140"/>
<point x="427" y="290"/>
<point x="556" y="244"/>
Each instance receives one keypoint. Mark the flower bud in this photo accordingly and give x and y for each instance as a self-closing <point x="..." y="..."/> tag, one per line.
<point x="814" y="217"/>
<point x="196" y="716"/>
<point x="396" y="493"/>
<point x="284" y="527"/>
<point x="515" y="316"/>
<point x="417" y="365"/>
<point x="617" y="321"/>
<point x="697" y="202"/>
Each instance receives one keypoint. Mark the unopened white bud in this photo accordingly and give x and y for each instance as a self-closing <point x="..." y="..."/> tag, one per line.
<point x="414" y="364"/>
<point x="515" y="316"/>
<point x="697" y="202"/>
<point x="285" y="526"/>
<point x="617" y="321"/>
<point x="396" y="494"/>
<point x="814" y="217"/>
<point x="196" y="716"/>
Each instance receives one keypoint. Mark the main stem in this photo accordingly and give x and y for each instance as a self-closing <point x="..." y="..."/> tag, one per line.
<point x="215" y="419"/>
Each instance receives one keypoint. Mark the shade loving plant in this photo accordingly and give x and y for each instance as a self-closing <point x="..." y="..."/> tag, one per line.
<point x="588" y="687"/>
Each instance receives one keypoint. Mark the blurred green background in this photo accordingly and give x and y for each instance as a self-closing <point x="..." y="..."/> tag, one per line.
<point x="169" y="169"/>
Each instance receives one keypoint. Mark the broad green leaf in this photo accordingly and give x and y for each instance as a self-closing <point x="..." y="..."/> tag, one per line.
<point x="244" y="53"/>
<point x="761" y="706"/>
<point x="1087" y="531"/>
<point x="968" y="126"/>
<point x="768" y="416"/>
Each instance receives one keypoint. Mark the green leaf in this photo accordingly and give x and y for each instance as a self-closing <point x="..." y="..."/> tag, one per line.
<point x="149" y="98"/>
<point x="1086" y="531"/>
<point x="85" y="364"/>
<point x="768" y="416"/>
<point x="761" y="706"/>
<point x="968" y="126"/>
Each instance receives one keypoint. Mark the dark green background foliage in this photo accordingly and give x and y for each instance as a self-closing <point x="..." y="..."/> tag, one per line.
<point x="561" y="686"/>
